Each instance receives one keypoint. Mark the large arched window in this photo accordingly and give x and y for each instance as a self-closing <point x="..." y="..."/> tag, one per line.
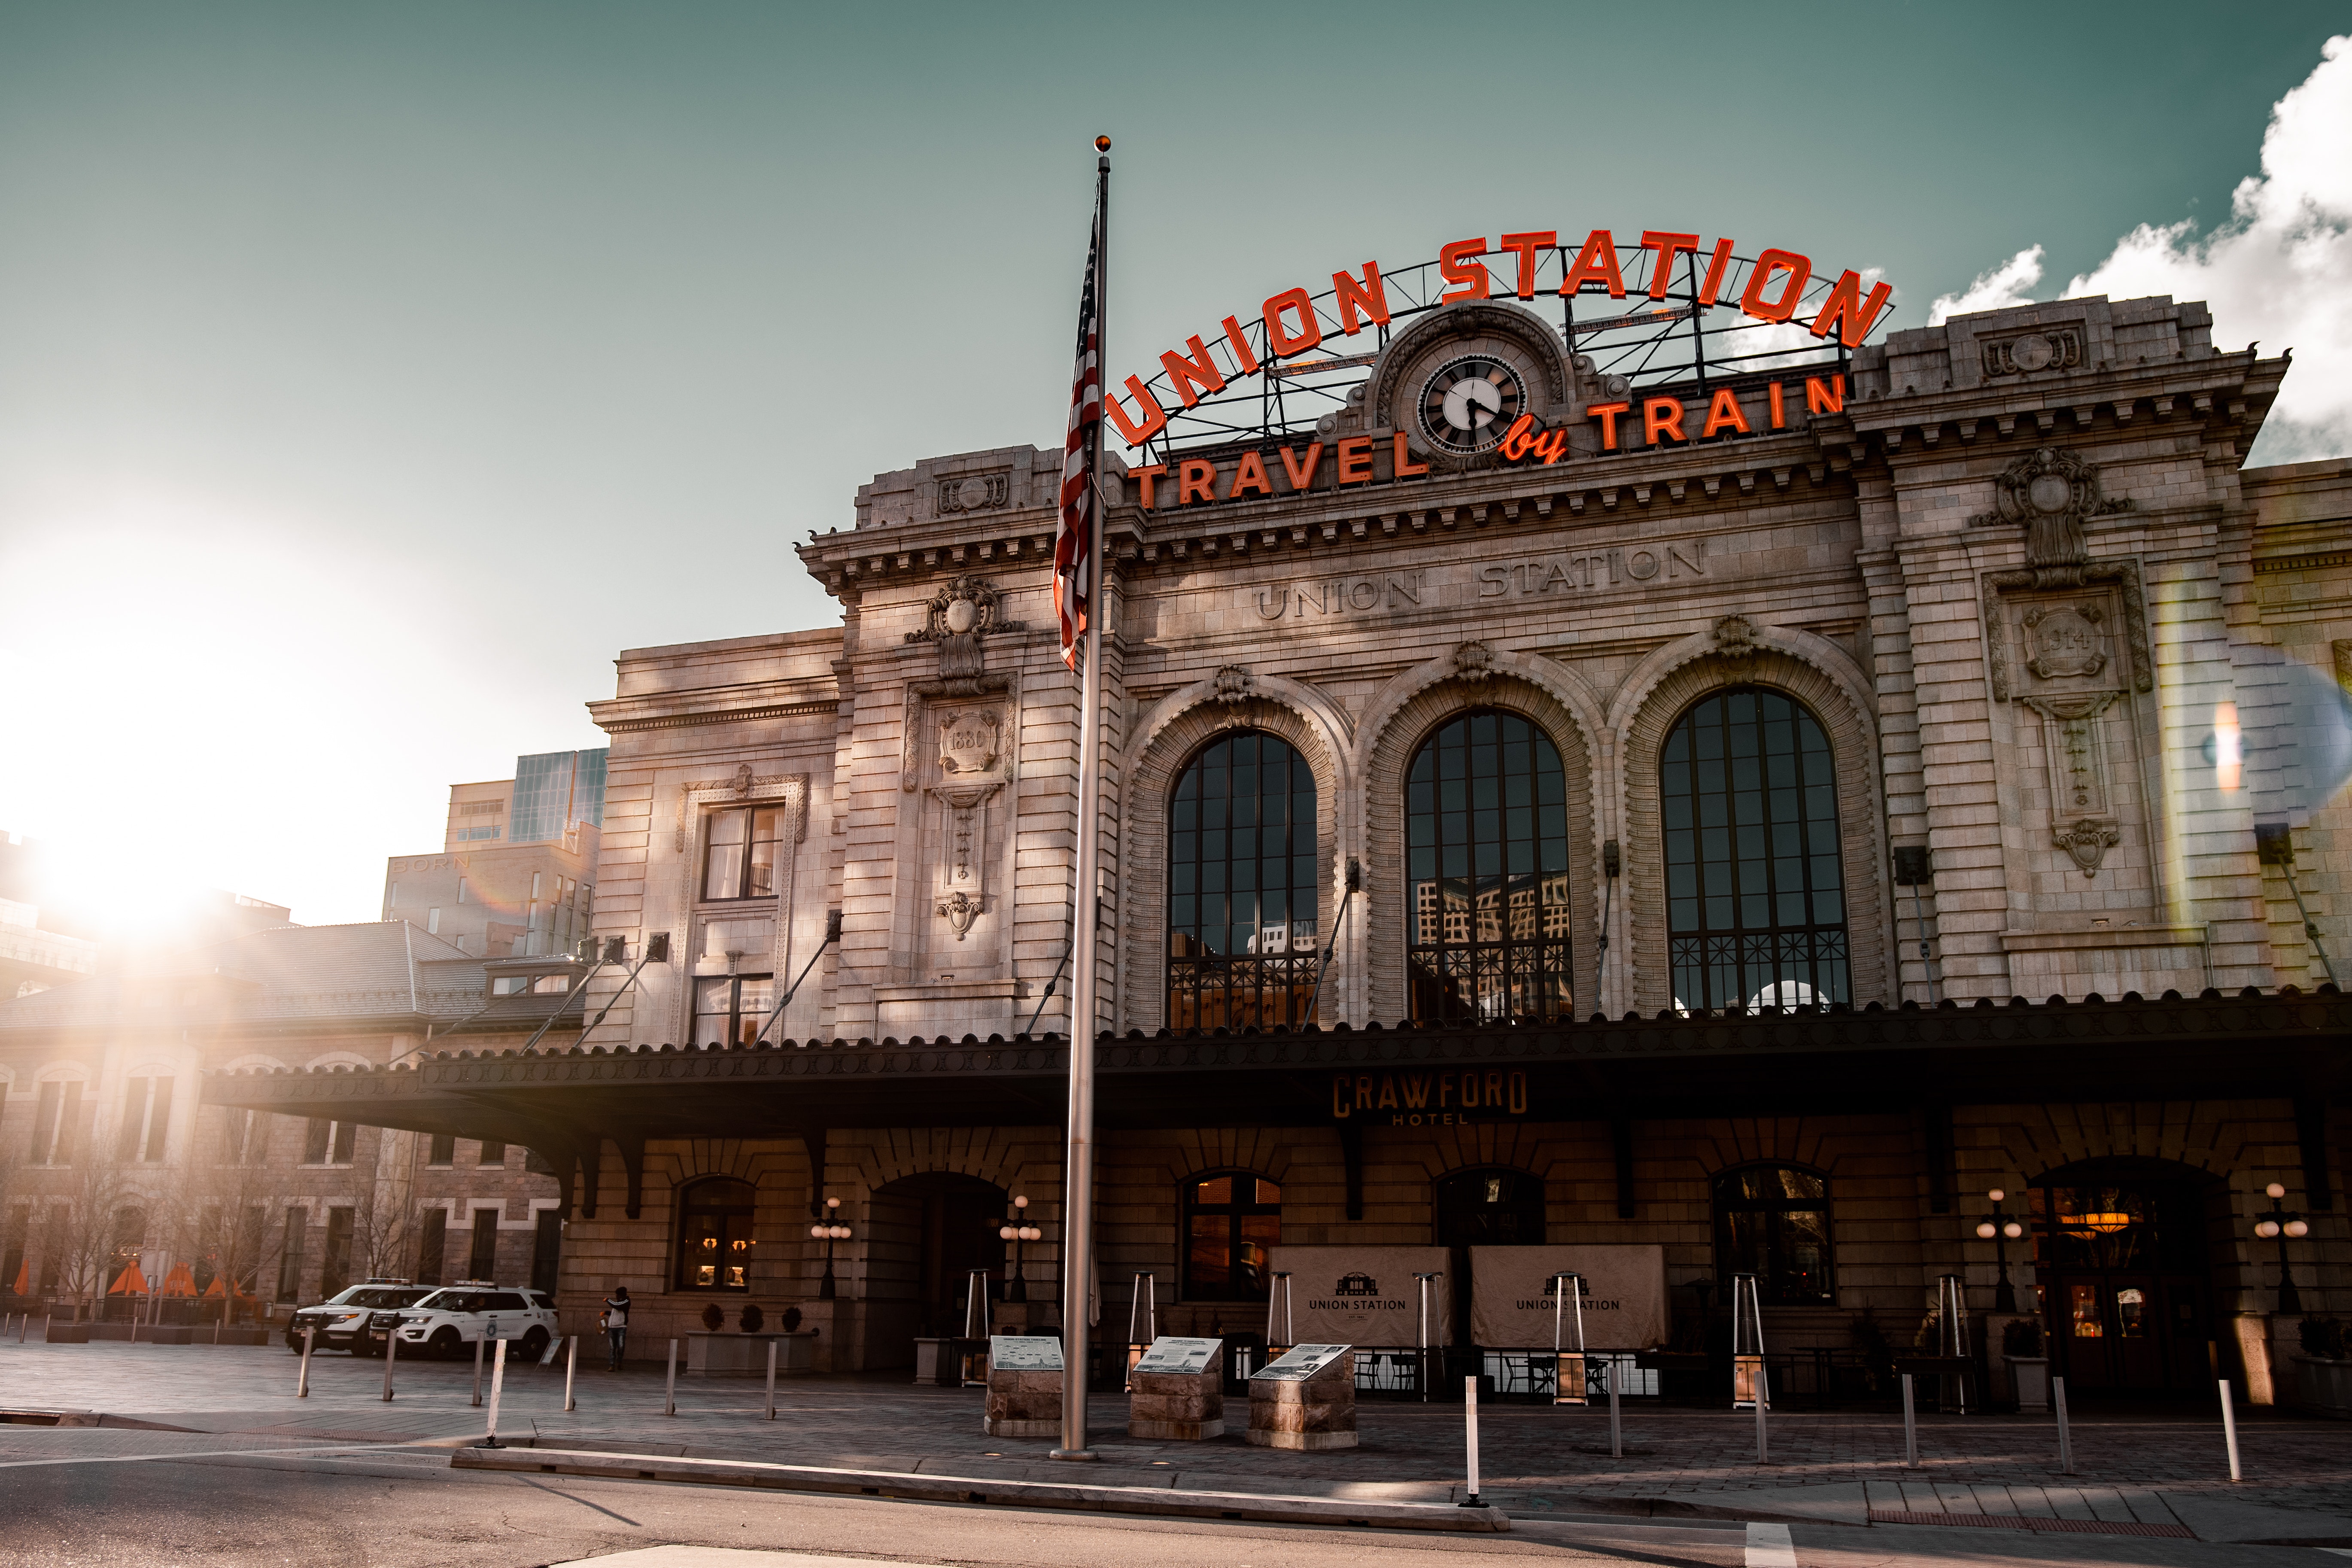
<point x="1754" y="899"/>
<point x="1487" y="890"/>
<point x="1230" y="1221"/>
<point x="1773" y="1221"/>
<point x="1241" y="887"/>
<point x="714" y="1236"/>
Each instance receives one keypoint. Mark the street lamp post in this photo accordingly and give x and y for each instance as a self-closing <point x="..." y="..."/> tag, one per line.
<point x="2001" y="1230"/>
<point x="829" y="1231"/>
<point x="2282" y="1225"/>
<point x="1016" y="1230"/>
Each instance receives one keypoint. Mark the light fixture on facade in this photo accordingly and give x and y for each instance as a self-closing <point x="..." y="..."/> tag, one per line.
<point x="1996" y="1230"/>
<point x="828" y="1230"/>
<point x="1016" y="1230"/>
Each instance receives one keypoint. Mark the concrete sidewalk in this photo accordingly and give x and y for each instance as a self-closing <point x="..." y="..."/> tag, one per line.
<point x="2136" y="1473"/>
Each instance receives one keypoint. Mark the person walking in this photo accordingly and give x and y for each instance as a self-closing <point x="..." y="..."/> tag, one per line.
<point x="616" y="1324"/>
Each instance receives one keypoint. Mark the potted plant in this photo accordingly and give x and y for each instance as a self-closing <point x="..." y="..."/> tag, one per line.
<point x="714" y="1316"/>
<point x="2029" y="1367"/>
<point x="750" y="1319"/>
<point x="2323" y="1374"/>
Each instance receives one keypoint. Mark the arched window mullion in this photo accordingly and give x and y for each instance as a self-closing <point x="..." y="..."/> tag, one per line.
<point x="1752" y="921"/>
<point x="1243" y="919"/>
<point x="1487" y="901"/>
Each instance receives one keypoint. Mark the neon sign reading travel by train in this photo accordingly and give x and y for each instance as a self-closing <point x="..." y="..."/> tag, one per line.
<point x="1289" y="325"/>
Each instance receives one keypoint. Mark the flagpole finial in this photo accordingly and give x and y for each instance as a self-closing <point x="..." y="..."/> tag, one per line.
<point x="1102" y="143"/>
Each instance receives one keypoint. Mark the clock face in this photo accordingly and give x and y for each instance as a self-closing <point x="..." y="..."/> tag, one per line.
<point x="1467" y="404"/>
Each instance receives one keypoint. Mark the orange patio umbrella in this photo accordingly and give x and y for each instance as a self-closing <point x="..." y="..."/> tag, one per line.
<point x="23" y="1287"/>
<point x="130" y="1282"/>
<point x="179" y="1281"/>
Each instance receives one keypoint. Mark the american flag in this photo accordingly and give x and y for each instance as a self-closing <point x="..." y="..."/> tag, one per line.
<point x="1074" y="534"/>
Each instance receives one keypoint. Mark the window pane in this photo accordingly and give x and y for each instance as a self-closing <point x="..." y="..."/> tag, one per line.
<point x="1762" y="868"/>
<point x="1490" y="932"/>
<point x="722" y="872"/>
<point x="1216" y="1190"/>
<point x="1210" y="1256"/>
<point x="1242" y="893"/>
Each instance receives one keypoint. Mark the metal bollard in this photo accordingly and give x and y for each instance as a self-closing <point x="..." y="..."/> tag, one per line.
<point x="1470" y="1419"/>
<point x="669" y="1398"/>
<point x="1763" y="1397"/>
<point x="302" y="1379"/>
<point x="498" y="1387"/>
<point x="1616" y="1430"/>
<point x="571" y="1366"/>
<point x="2230" y="1428"/>
<point x="2065" y="1445"/>
<point x="1910" y="1427"/>
<point x="478" y="1371"/>
<point x="47" y="1318"/>
<point x="391" y="1355"/>
<point x="772" y="1380"/>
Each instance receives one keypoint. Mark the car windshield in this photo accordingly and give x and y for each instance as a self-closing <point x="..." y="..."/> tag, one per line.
<point x="440" y="1301"/>
<point x="379" y="1296"/>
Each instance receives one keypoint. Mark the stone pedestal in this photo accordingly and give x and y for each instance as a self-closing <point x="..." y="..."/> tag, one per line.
<point x="1306" y="1400"/>
<point x="1179" y="1390"/>
<point x="1024" y="1387"/>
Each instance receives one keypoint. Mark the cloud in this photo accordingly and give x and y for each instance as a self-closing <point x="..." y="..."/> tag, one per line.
<point x="2010" y="283"/>
<point x="2278" y="271"/>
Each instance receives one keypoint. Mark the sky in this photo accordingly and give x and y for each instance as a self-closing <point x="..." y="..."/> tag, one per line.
<point x="371" y="374"/>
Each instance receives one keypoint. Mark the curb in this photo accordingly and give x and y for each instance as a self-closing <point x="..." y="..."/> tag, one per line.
<point x="908" y="1488"/>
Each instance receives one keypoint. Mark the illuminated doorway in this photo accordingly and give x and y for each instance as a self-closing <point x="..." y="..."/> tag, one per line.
<point x="2120" y="1247"/>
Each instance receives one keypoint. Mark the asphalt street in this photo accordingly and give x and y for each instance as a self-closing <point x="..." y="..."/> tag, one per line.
<point x="394" y="1507"/>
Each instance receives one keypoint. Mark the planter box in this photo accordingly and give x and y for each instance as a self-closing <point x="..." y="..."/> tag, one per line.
<point x="725" y="1354"/>
<point x="2324" y="1388"/>
<point x="2029" y="1375"/>
<point x="68" y="1333"/>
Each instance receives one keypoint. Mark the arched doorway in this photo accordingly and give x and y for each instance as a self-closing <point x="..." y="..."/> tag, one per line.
<point x="1486" y="1205"/>
<point x="2120" y="1250"/>
<point x="925" y="1235"/>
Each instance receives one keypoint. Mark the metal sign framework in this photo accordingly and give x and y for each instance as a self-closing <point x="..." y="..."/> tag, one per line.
<point x="1638" y="343"/>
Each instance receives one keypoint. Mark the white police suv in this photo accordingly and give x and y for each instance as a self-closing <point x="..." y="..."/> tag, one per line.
<point x="450" y="1318"/>
<point x="358" y="1319"/>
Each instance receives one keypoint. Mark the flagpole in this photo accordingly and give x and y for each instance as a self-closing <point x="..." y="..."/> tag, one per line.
<point x="1078" y="1156"/>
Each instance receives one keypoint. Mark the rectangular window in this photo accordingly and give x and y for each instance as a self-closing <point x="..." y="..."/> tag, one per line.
<point x="740" y="854"/>
<point x="335" y="1268"/>
<point x="55" y="1117"/>
<point x="11" y="1253"/>
<point x="290" y="1256"/>
<point x="159" y="1122"/>
<point x="484" y="1263"/>
<point x="146" y="1119"/>
<point x="244" y="1137"/>
<point x="316" y="1139"/>
<point x="433" y="922"/>
<point x="346" y="1134"/>
<point x="547" y="1249"/>
<point x="433" y="1247"/>
<point x="732" y="1009"/>
<point x="461" y="889"/>
<point x="494" y="1154"/>
<point x="392" y="897"/>
<point x="510" y="984"/>
<point x="443" y="1151"/>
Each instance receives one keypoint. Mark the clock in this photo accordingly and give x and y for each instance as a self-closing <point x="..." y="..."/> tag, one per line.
<point x="1467" y="404"/>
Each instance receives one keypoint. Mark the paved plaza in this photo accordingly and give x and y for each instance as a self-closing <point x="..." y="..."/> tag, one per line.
<point x="2141" y="1474"/>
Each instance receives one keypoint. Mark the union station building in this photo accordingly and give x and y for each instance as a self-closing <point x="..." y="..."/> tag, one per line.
<point x="1745" y="798"/>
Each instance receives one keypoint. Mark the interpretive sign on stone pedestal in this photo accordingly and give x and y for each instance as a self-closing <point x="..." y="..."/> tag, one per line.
<point x="1024" y="1387"/>
<point x="1180" y="1391"/>
<point x="1304" y="1400"/>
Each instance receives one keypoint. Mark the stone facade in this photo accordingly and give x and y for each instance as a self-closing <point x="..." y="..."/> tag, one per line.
<point x="2063" y="647"/>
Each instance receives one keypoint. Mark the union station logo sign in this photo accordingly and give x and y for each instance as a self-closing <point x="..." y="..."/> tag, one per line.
<point x="1465" y="368"/>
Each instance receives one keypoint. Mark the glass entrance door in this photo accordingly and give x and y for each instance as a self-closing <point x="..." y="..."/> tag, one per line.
<point x="2125" y="1291"/>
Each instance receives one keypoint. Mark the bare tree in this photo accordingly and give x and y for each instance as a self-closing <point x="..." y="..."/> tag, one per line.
<point x="84" y="1218"/>
<point x="383" y="1213"/>
<point x="232" y="1206"/>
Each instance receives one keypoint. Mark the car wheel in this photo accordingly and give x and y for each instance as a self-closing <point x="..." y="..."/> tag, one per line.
<point x="534" y="1344"/>
<point x="445" y="1343"/>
